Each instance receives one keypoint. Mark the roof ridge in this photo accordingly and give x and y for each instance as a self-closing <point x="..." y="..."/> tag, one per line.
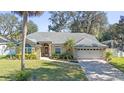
<point x="80" y="40"/>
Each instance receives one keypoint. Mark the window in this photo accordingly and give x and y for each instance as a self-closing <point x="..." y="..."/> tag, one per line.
<point x="28" y="50"/>
<point x="58" y="50"/>
<point x="78" y="49"/>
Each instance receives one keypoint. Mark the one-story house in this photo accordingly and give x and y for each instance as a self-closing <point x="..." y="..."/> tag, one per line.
<point x="46" y="43"/>
<point x="4" y="50"/>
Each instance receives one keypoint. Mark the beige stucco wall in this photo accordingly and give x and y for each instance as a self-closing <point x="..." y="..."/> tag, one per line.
<point x="38" y="51"/>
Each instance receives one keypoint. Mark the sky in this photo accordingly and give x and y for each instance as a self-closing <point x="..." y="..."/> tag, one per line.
<point x="43" y="21"/>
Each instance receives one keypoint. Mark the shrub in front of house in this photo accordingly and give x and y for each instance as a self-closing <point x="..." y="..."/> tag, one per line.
<point x="64" y="56"/>
<point x="108" y="56"/>
<point x="27" y="56"/>
<point x="22" y="76"/>
<point x="55" y="56"/>
<point x="18" y="56"/>
<point x="31" y="56"/>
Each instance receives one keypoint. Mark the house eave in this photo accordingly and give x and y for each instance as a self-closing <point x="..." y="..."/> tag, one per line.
<point x="90" y="46"/>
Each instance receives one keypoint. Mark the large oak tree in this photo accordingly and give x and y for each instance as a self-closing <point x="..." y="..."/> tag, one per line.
<point x="91" y="22"/>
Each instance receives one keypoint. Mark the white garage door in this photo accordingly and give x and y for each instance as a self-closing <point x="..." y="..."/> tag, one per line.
<point x="89" y="53"/>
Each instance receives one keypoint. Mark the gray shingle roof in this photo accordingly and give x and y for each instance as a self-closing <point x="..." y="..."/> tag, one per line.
<point x="61" y="37"/>
<point x="89" y="42"/>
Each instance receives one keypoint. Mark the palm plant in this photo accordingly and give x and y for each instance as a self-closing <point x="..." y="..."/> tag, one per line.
<point x="25" y="15"/>
<point x="69" y="45"/>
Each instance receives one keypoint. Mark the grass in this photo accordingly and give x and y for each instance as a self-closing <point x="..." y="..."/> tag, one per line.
<point x="3" y="57"/>
<point x="43" y="70"/>
<point x="118" y="63"/>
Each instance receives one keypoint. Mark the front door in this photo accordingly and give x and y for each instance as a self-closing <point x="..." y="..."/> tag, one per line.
<point x="46" y="51"/>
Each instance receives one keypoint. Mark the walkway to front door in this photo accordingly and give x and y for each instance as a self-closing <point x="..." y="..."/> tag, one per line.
<point x="101" y="71"/>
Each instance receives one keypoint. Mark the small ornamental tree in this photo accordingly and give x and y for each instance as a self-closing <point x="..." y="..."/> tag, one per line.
<point x="69" y="44"/>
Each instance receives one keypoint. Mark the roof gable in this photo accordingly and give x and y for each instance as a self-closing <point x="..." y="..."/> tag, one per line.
<point x="89" y="42"/>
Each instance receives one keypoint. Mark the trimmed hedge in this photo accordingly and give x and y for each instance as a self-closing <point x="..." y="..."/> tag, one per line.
<point x="65" y="56"/>
<point x="55" y="56"/>
<point x="108" y="56"/>
<point x="27" y="56"/>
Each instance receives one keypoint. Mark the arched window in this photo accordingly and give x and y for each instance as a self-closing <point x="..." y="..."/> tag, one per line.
<point x="45" y="44"/>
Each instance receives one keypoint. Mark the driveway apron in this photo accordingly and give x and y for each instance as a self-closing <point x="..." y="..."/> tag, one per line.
<point x="99" y="70"/>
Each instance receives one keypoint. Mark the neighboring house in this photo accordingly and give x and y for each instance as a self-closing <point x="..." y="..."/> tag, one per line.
<point x="116" y="51"/>
<point x="46" y="43"/>
<point x="110" y="43"/>
<point x="4" y="50"/>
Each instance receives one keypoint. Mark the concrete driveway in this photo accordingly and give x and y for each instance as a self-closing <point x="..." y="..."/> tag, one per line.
<point x="98" y="70"/>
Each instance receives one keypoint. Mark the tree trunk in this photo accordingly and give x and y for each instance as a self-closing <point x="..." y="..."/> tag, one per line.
<point x="25" y="19"/>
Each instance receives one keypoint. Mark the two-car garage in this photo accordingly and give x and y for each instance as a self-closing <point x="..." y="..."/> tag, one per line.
<point x="89" y="48"/>
<point x="89" y="53"/>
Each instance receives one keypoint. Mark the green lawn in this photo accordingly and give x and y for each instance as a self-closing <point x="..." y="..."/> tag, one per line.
<point x="3" y="57"/>
<point x="42" y="70"/>
<point x="118" y="63"/>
